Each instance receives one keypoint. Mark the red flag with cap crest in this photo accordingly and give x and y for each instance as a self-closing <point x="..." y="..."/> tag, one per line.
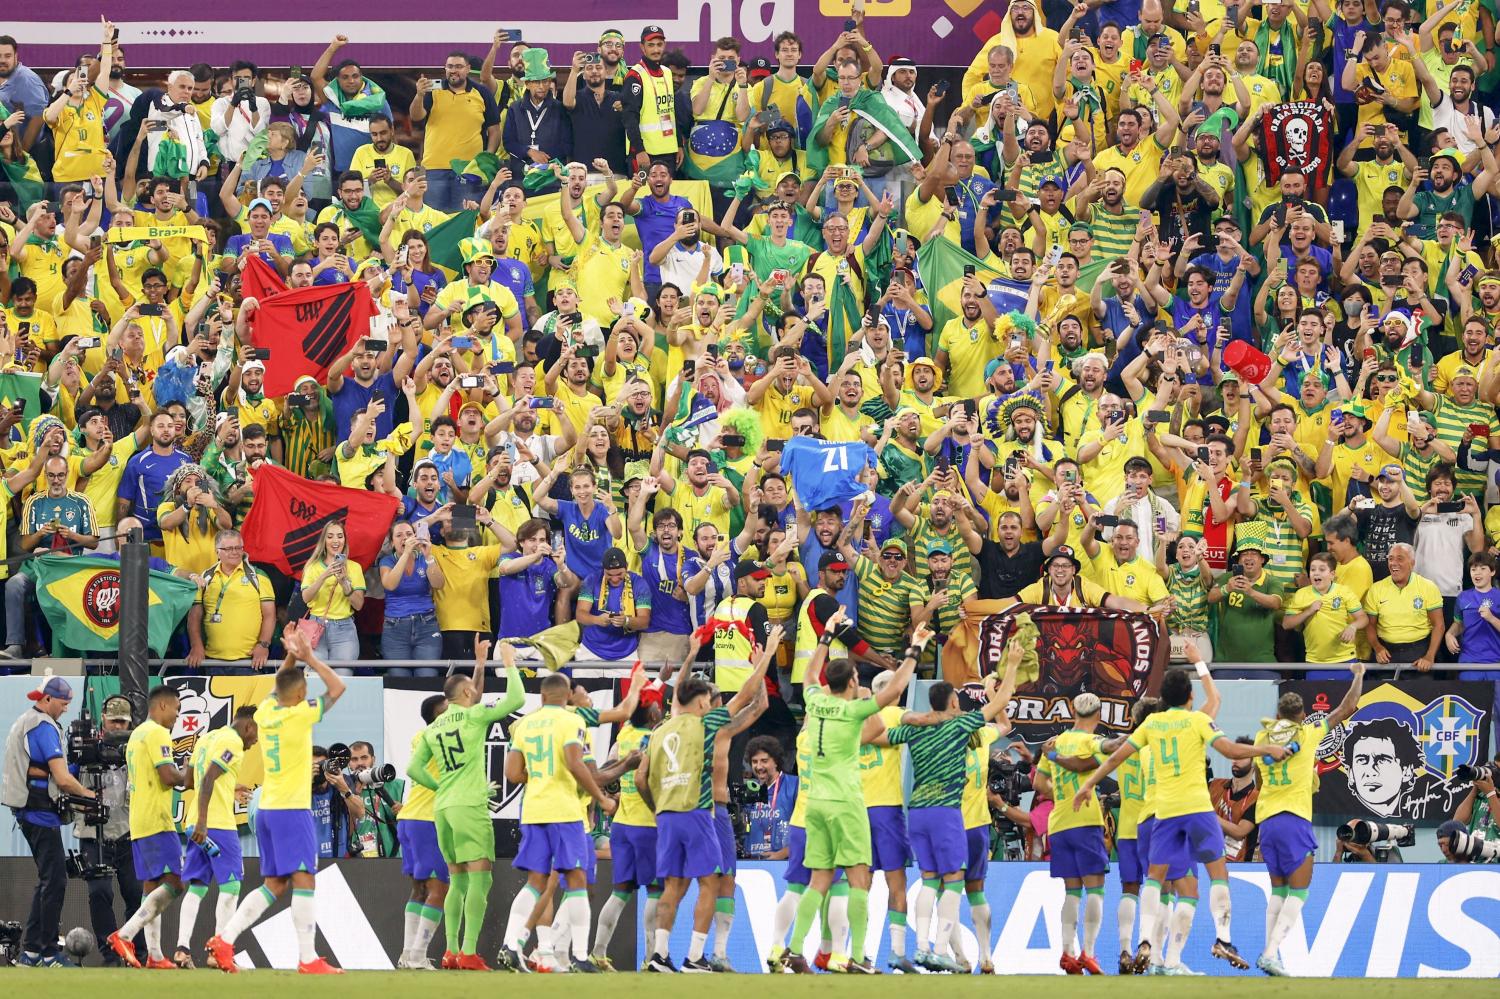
<point x="289" y="513"/>
<point x="305" y="329"/>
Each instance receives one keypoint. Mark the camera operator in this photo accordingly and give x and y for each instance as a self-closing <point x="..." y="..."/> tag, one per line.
<point x="380" y="795"/>
<point x="767" y="819"/>
<point x="1479" y="811"/>
<point x="33" y="771"/>
<point x="112" y="849"/>
<point x="1010" y="823"/>
<point x="1366" y="841"/>
<point x="335" y="808"/>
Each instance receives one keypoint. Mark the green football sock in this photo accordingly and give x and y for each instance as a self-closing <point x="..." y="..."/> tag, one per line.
<point x="453" y="909"/>
<point x="808" y="907"/>
<point x="476" y="901"/>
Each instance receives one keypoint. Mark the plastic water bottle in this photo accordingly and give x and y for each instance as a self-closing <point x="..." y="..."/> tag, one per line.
<point x="1292" y="749"/>
<point x="210" y="847"/>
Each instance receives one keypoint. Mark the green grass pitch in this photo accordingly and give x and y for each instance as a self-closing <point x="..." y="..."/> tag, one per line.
<point x="123" y="984"/>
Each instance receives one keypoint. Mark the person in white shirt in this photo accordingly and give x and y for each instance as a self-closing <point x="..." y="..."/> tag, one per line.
<point x="1152" y="515"/>
<point x="238" y="118"/>
<point x="172" y="111"/>
<point x="900" y="92"/>
<point x="681" y="256"/>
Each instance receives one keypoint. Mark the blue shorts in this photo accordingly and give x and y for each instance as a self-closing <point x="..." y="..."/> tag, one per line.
<point x="634" y="851"/>
<point x="1078" y="852"/>
<point x="553" y="846"/>
<point x="421" y="860"/>
<point x="890" y="849"/>
<point x="977" y="842"/>
<point x="1145" y="831"/>
<point x="724" y="827"/>
<point x="1185" y="840"/>
<point x="199" y="868"/>
<point x="1286" y="840"/>
<point x="687" y="844"/>
<point x="157" y="854"/>
<point x="937" y="839"/>
<point x="288" y="841"/>
<point x="1131" y="870"/>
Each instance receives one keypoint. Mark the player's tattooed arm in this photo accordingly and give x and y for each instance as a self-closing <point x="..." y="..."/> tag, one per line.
<point x="1347" y="706"/>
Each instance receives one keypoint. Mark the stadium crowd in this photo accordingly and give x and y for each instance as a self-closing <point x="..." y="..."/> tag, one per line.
<point x="1263" y="412"/>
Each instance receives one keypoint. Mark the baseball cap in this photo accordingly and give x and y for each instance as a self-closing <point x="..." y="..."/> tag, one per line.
<point x="53" y="686"/>
<point x="760" y="67"/>
<point x="939" y="548"/>
<point x="893" y="545"/>
<point x="261" y="203"/>
<point x="1085" y="704"/>
<point x="1392" y="472"/>
<point x="832" y="560"/>
<point x="116" y="708"/>
<point x="782" y="125"/>
<point x="749" y="568"/>
<point x="615" y="559"/>
<point x="651" y="31"/>
<point x="1055" y="181"/>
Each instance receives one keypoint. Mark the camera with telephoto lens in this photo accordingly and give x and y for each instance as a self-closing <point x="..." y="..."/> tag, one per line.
<point x="89" y="746"/>
<point x="1468" y="774"/>
<point x="742" y="795"/>
<point x="376" y="776"/>
<point x="1466" y="847"/>
<point x="1008" y="781"/>
<point x="10" y="943"/>
<point x="336" y="762"/>
<point x="1377" y="835"/>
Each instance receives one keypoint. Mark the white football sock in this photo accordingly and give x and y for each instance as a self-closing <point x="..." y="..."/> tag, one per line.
<point x="1182" y="925"/>
<point x="609" y="918"/>
<point x="1125" y="922"/>
<point x="305" y="921"/>
<point x="187" y="915"/>
<point x="249" y="911"/>
<point x="1070" y="922"/>
<point x="1093" y="916"/>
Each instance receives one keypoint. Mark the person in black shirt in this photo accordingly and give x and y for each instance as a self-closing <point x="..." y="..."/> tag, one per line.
<point x="1185" y="201"/>
<point x="1009" y="565"/>
<point x="596" y="113"/>
<point x="1391" y="519"/>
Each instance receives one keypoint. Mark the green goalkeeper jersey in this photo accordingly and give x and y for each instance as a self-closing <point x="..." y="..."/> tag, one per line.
<point x="457" y="739"/>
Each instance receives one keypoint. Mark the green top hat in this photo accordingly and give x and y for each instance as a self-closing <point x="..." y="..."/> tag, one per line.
<point x="537" y="67"/>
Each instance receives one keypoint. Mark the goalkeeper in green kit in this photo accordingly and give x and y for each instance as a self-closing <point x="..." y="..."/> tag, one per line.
<point x="838" y="830"/>
<point x="466" y="836"/>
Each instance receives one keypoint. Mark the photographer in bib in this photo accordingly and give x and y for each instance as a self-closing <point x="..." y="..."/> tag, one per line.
<point x="104" y="849"/>
<point x="379" y="793"/>
<point x="34" y="772"/>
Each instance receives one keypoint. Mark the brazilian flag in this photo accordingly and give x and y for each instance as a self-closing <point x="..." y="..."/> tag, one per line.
<point x="941" y="263"/>
<point x="714" y="153"/>
<point x="443" y="240"/>
<point x="80" y="596"/>
<point x="871" y="109"/>
<point x="22" y="387"/>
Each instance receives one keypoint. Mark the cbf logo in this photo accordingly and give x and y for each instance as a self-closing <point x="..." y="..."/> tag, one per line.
<point x="1450" y="733"/>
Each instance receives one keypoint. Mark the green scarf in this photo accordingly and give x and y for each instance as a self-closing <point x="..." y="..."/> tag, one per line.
<point x="366" y="219"/>
<point x="1286" y="73"/>
<point x="484" y="166"/>
<point x="171" y="158"/>
<point x="872" y="109"/>
<point x="369" y="102"/>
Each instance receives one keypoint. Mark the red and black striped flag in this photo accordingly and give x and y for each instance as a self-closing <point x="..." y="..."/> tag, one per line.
<point x="289" y="512"/>
<point x="306" y="329"/>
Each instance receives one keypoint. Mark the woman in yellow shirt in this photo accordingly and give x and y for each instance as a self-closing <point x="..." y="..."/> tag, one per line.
<point x="333" y="588"/>
<point x="785" y="589"/>
<point x="190" y="515"/>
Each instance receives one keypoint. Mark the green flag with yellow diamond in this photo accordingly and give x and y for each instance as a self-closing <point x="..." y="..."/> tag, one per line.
<point x="22" y="387"/>
<point x="80" y="596"/>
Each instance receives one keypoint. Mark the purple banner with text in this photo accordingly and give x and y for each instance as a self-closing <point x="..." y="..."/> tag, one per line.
<point x="385" y="33"/>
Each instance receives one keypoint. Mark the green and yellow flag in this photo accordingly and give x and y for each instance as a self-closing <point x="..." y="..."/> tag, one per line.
<point x="443" y="240"/>
<point x="941" y="263"/>
<point x="80" y="596"/>
<point x="22" y="387"/>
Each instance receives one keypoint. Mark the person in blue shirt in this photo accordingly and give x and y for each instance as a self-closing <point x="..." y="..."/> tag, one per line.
<point x="530" y="578"/>
<point x="409" y="574"/>
<point x="35" y="747"/>
<point x="422" y="502"/>
<point x="355" y="377"/>
<point x="453" y="465"/>
<point x="614" y="607"/>
<point x="1474" y="635"/>
<point x="146" y="474"/>
<point x="655" y="216"/>
<point x="272" y="247"/>
<point x="589" y="519"/>
<point x="768" y="819"/>
<point x="664" y="568"/>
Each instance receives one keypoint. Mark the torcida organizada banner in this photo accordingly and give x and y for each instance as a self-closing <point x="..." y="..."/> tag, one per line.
<point x="171" y="34"/>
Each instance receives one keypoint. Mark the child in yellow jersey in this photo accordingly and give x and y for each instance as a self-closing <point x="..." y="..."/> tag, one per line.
<point x="1283" y="812"/>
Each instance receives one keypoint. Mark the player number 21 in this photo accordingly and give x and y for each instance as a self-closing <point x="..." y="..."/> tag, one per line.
<point x="836" y="460"/>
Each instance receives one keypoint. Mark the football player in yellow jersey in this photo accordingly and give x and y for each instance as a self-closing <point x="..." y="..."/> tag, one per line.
<point x="1284" y="809"/>
<point x="976" y="812"/>
<point x="155" y="845"/>
<point x="550" y="762"/>
<point x="421" y="860"/>
<point x="632" y="836"/>
<point x="885" y="801"/>
<point x="1132" y="783"/>
<point x="215" y="769"/>
<point x="1076" y="837"/>
<point x="284" y="824"/>
<point x="1187" y="828"/>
